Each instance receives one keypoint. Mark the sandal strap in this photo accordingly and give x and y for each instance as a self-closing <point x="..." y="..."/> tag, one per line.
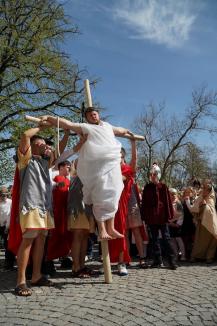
<point x="43" y="281"/>
<point x="23" y="290"/>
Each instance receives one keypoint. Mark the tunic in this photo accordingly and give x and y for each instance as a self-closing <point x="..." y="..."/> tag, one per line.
<point x="35" y="204"/>
<point x="77" y="212"/>
<point x="99" y="170"/>
<point x="205" y="243"/>
<point x="134" y="217"/>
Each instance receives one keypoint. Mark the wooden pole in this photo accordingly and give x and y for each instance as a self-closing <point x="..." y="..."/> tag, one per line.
<point x="88" y="97"/>
<point x="37" y="120"/>
<point x="106" y="262"/>
<point x="57" y="149"/>
<point x="136" y="137"/>
<point x="104" y="243"/>
<point x="32" y="119"/>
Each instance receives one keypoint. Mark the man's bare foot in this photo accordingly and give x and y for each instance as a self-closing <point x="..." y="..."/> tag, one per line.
<point x="115" y="234"/>
<point x="103" y="235"/>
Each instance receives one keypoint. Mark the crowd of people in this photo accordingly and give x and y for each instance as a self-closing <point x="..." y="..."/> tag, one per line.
<point x="59" y="205"/>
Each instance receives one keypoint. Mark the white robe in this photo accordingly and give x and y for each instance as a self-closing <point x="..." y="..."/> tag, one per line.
<point x="99" y="170"/>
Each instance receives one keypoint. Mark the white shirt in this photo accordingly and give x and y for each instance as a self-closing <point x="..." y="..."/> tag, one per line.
<point x="5" y="212"/>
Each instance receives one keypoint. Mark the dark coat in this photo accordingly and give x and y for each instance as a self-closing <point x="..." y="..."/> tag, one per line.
<point x="157" y="206"/>
<point x="188" y="226"/>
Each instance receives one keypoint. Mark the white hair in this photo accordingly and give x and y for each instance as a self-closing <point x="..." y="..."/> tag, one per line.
<point x="156" y="170"/>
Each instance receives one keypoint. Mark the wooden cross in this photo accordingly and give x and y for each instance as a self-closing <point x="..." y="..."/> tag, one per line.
<point x="104" y="243"/>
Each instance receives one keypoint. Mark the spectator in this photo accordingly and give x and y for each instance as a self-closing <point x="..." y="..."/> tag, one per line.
<point x="175" y="226"/>
<point x="156" y="211"/>
<point x="188" y="226"/>
<point x="5" y="212"/>
<point x="205" y="243"/>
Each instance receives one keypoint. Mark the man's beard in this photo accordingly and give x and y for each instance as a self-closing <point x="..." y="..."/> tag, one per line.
<point x="46" y="154"/>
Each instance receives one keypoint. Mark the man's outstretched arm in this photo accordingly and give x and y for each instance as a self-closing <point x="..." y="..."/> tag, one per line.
<point x="63" y="123"/>
<point x="64" y="140"/>
<point x="123" y="132"/>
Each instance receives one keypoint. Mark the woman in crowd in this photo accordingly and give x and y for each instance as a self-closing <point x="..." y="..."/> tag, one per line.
<point x="205" y="243"/>
<point x="175" y="226"/>
<point x="136" y="226"/>
<point x="188" y="226"/>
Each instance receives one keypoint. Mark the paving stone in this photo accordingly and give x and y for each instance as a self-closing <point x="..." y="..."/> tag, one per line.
<point x="206" y="316"/>
<point x="209" y="323"/>
<point x="187" y="296"/>
<point x="195" y="318"/>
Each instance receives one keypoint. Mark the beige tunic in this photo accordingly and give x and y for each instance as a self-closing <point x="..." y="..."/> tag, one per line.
<point x="205" y="242"/>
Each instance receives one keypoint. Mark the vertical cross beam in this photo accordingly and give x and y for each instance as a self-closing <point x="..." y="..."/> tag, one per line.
<point x="104" y="243"/>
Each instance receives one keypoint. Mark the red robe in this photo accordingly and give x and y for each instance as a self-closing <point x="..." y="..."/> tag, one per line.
<point x="15" y="233"/>
<point x="59" y="241"/>
<point x="120" y="245"/>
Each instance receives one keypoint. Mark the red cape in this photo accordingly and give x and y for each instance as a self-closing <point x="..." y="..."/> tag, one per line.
<point x="120" y="245"/>
<point x="60" y="239"/>
<point x="15" y="233"/>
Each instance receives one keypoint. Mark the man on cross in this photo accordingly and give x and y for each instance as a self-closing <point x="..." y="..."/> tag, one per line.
<point x="98" y="167"/>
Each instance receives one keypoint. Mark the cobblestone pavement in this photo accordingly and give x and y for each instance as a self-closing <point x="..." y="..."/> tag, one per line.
<point x="187" y="296"/>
